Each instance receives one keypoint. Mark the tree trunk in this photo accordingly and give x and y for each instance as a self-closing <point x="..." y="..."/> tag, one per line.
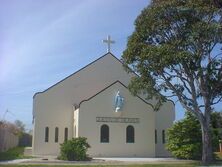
<point x="207" y="153"/>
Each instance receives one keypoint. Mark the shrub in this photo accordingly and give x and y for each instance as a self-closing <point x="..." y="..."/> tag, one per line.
<point x="184" y="138"/>
<point x="13" y="153"/>
<point x="74" y="149"/>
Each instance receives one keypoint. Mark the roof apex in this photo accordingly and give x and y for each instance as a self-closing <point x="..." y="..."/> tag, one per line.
<point x="107" y="54"/>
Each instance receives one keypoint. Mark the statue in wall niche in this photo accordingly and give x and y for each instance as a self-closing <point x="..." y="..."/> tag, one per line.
<point x="119" y="101"/>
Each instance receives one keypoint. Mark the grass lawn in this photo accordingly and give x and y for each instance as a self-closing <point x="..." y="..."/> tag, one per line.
<point x="148" y="165"/>
<point x="17" y="153"/>
<point x="14" y="153"/>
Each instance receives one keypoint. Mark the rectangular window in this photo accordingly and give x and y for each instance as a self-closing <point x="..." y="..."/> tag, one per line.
<point x="130" y="134"/>
<point x="155" y="136"/>
<point x="66" y="134"/>
<point x="56" y="134"/>
<point x="104" y="134"/>
<point x="47" y="134"/>
<point x="163" y="137"/>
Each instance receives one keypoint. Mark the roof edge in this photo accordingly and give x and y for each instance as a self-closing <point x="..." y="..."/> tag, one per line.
<point x="109" y="87"/>
<point x="77" y="72"/>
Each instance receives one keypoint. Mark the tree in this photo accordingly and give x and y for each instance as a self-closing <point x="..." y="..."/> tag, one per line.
<point x="218" y="3"/>
<point x="216" y="120"/>
<point x="20" y="125"/>
<point x="184" y="138"/>
<point x="216" y="125"/>
<point x="175" y="50"/>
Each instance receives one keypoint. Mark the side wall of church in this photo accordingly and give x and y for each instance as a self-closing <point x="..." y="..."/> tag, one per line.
<point x="102" y="106"/>
<point x="164" y="120"/>
<point x="49" y="116"/>
<point x="76" y="123"/>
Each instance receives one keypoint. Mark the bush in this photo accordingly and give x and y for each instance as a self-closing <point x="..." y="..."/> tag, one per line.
<point x="184" y="138"/>
<point x="74" y="149"/>
<point x="13" y="153"/>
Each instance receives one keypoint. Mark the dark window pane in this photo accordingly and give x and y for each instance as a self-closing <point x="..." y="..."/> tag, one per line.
<point x="66" y="134"/>
<point x="56" y="134"/>
<point x="156" y="136"/>
<point x="163" y="136"/>
<point x="130" y="134"/>
<point x="104" y="134"/>
<point x="47" y="134"/>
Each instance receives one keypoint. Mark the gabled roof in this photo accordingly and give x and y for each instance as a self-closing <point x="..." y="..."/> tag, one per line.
<point x="109" y="87"/>
<point x="109" y="53"/>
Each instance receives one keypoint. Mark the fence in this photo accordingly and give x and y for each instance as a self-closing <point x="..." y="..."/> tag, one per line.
<point x="8" y="137"/>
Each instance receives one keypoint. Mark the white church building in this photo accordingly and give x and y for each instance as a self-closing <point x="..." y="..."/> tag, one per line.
<point x="95" y="103"/>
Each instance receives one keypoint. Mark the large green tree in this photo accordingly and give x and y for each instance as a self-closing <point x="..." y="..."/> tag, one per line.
<point x="176" y="52"/>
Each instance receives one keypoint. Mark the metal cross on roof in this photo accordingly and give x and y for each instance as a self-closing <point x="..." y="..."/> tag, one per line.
<point x="109" y="42"/>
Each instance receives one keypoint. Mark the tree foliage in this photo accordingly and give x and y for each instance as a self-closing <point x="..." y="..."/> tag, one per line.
<point x="74" y="149"/>
<point x="216" y="125"/>
<point x="184" y="138"/>
<point x="176" y="52"/>
<point x="20" y="125"/>
<point x="216" y="120"/>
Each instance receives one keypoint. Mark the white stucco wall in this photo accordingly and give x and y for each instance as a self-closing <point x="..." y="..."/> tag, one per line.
<point x="164" y="119"/>
<point x="102" y="106"/>
<point x="50" y="115"/>
<point x="76" y="124"/>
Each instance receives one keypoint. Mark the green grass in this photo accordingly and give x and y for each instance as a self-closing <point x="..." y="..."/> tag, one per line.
<point x="13" y="153"/>
<point x="147" y="165"/>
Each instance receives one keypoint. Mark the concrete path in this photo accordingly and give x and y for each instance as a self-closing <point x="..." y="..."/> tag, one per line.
<point x="97" y="161"/>
<point x="138" y="159"/>
<point x="16" y="161"/>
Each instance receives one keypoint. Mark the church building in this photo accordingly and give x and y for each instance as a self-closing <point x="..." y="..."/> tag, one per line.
<point x="95" y="103"/>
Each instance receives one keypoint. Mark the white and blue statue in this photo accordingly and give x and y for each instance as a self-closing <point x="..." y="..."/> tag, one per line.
<point x="119" y="102"/>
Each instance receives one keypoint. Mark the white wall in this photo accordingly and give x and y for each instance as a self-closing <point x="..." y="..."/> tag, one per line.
<point x="76" y="124"/>
<point x="164" y="120"/>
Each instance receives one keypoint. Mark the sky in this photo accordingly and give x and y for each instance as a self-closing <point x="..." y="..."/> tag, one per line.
<point x="43" y="41"/>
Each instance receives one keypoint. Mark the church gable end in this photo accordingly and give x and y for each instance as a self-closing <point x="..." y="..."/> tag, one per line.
<point x="109" y="87"/>
<point x="75" y="74"/>
<point x="99" y="92"/>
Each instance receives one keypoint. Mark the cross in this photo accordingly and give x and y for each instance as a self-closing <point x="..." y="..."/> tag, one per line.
<point x="109" y="42"/>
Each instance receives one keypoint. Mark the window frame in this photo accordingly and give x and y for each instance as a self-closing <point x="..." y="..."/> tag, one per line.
<point x="104" y="133"/>
<point x="155" y="136"/>
<point x="163" y="137"/>
<point x="56" y="135"/>
<point x="66" y="134"/>
<point x="46" y="134"/>
<point x="130" y="134"/>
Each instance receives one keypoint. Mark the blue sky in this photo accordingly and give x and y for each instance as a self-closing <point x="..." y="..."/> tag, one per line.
<point x="43" y="41"/>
